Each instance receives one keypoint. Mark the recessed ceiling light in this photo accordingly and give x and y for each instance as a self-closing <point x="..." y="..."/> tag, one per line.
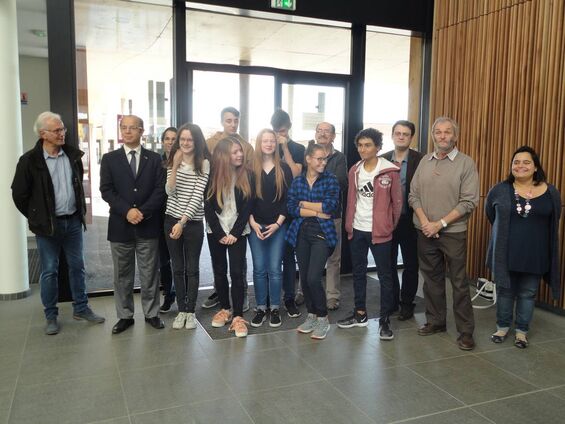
<point x="39" y="33"/>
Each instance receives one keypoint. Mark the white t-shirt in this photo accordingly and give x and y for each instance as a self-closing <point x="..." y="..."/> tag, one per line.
<point x="363" y="219"/>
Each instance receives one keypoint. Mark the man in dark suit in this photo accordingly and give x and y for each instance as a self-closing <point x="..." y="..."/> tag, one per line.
<point x="405" y="234"/>
<point x="132" y="181"/>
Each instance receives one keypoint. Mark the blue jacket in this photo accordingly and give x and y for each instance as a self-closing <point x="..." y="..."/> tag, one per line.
<point x="498" y="207"/>
<point x="324" y="190"/>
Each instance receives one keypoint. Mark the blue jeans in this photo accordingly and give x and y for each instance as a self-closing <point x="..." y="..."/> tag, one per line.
<point x="523" y="289"/>
<point x="360" y="245"/>
<point x="68" y="238"/>
<point x="267" y="267"/>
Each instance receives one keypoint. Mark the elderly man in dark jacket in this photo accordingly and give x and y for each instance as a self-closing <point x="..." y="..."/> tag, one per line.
<point x="47" y="190"/>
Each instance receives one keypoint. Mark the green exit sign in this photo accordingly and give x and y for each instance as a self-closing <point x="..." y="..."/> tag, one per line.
<point x="283" y="4"/>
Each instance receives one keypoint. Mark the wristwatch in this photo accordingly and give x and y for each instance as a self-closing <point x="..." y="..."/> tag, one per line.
<point x="443" y="223"/>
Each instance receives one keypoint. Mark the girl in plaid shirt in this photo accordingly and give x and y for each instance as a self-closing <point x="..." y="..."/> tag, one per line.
<point x="312" y="198"/>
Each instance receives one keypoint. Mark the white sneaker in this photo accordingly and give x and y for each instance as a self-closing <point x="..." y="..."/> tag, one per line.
<point x="179" y="321"/>
<point x="321" y="328"/>
<point x="190" y="321"/>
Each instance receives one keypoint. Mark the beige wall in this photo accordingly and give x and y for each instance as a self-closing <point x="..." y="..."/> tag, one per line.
<point x="34" y="80"/>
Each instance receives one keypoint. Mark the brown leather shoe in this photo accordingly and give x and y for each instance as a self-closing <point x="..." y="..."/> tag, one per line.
<point x="428" y="329"/>
<point x="465" y="341"/>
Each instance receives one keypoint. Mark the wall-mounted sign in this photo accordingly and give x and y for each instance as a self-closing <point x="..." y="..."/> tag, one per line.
<point x="283" y="4"/>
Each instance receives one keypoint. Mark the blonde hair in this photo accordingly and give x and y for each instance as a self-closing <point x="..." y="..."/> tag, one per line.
<point x="223" y="173"/>
<point x="280" y="182"/>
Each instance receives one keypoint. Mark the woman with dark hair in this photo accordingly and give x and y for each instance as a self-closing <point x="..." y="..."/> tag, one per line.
<point x="268" y="213"/>
<point x="227" y="206"/>
<point x="187" y="175"/>
<point x="312" y="198"/>
<point x="524" y="212"/>
<point x="168" y="138"/>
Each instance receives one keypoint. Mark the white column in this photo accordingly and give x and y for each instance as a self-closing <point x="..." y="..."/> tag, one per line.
<point x="14" y="280"/>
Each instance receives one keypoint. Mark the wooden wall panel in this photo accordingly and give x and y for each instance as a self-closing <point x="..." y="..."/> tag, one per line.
<point x="498" y="68"/>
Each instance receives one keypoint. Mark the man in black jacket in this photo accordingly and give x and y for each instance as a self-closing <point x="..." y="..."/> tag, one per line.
<point x="47" y="190"/>
<point x="132" y="182"/>
<point x="405" y="234"/>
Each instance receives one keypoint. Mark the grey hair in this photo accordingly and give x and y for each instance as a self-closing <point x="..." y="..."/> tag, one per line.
<point x="453" y="123"/>
<point x="42" y="118"/>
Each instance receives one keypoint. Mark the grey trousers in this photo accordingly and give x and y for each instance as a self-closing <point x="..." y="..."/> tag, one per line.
<point x="124" y="258"/>
<point x="435" y="255"/>
<point x="333" y="266"/>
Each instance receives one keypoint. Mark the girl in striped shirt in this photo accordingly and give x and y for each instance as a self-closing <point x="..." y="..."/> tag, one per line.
<point x="188" y="168"/>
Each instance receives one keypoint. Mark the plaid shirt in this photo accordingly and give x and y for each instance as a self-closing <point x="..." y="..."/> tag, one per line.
<point x="324" y="190"/>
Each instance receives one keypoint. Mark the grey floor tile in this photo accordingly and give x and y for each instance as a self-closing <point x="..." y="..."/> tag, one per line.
<point x="166" y="386"/>
<point x="393" y="394"/>
<point x="459" y="416"/>
<point x="408" y="347"/>
<point x="252" y="371"/>
<point x="120" y="420"/>
<point x="331" y="359"/>
<point x="5" y="403"/>
<point x="67" y="362"/>
<point x="539" y="407"/>
<point x="293" y="338"/>
<point x="224" y="411"/>
<point x="168" y="347"/>
<point x="559" y="392"/>
<point x="536" y="365"/>
<point x="9" y="369"/>
<point x="13" y="342"/>
<point x="72" y="401"/>
<point x="557" y="346"/>
<point x="235" y="345"/>
<point x="471" y="379"/>
<point x="306" y="403"/>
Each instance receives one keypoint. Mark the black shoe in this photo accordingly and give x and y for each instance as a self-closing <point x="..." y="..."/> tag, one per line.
<point x="275" y="318"/>
<point x="155" y="322"/>
<point x="122" y="325"/>
<point x="259" y="318"/>
<point x="385" y="333"/>
<point x="406" y="311"/>
<point x="291" y="309"/>
<point x="211" y="301"/>
<point x="167" y="303"/>
<point x="354" y="320"/>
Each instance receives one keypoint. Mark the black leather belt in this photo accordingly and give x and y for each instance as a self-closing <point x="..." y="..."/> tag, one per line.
<point x="67" y="216"/>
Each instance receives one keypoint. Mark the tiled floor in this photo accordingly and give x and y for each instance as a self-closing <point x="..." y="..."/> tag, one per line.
<point x="87" y="375"/>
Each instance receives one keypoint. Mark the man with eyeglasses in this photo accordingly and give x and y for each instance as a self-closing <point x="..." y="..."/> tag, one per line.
<point x="404" y="234"/>
<point x="337" y="165"/>
<point x="47" y="189"/>
<point x="132" y="182"/>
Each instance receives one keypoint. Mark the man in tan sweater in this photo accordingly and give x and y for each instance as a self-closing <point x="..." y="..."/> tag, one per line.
<point x="230" y="123"/>
<point x="443" y="193"/>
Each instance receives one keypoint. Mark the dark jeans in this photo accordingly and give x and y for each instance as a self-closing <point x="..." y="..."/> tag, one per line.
<point x="68" y="238"/>
<point x="236" y="253"/>
<point x="360" y="245"/>
<point x="165" y="268"/>
<point x="185" y="256"/>
<point x="522" y="290"/>
<point x="312" y="252"/>
<point x="289" y="273"/>
<point x="406" y="236"/>
<point x="449" y="251"/>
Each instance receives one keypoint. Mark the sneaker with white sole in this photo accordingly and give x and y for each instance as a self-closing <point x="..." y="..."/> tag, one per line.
<point x="275" y="318"/>
<point x="321" y="328"/>
<point x="179" y="321"/>
<point x="259" y="318"/>
<point x="222" y="317"/>
<point x="239" y="326"/>
<point x="354" y="320"/>
<point x="211" y="301"/>
<point x="385" y="333"/>
<point x="308" y="325"/>
<point x="190" y="321"/>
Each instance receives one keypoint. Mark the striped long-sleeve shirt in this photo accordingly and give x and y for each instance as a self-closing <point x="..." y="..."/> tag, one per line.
<point x="187" y="197"/>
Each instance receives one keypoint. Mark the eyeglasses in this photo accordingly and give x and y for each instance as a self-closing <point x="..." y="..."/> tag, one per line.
<point x="321" y="131"/>
<point x="125" y="128"/>
<point x="61" y="130"/>
<point x="320" y="160"/>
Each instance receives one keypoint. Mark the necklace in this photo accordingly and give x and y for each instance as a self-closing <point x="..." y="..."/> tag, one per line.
<point x="527" y="207"/>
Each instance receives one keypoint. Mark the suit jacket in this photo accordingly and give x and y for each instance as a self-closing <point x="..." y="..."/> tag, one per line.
<point x="414" y="158"/>
<point x="122" y="192"/>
